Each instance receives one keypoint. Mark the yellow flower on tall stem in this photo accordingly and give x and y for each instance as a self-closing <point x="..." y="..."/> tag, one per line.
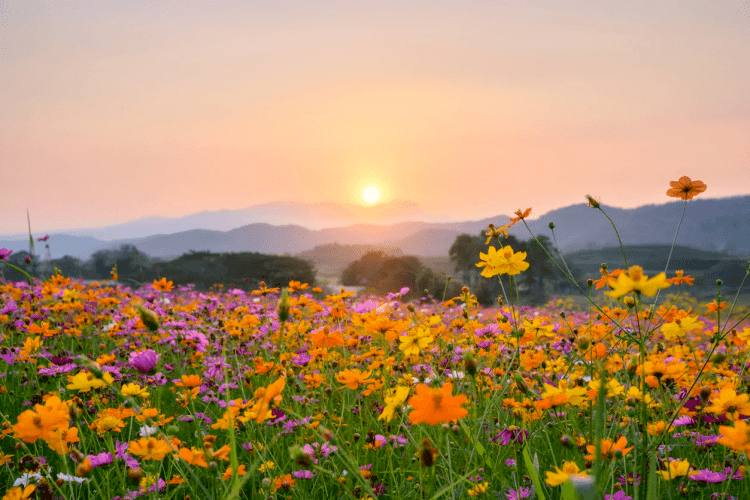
<point x="503" y="261"/>
<point x="637" y="282"/>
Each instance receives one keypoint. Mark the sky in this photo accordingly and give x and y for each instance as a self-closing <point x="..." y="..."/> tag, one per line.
<point x="115" y="110"/>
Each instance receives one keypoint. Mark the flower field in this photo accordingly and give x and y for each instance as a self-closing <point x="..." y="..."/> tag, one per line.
<point x="168" y="392"/>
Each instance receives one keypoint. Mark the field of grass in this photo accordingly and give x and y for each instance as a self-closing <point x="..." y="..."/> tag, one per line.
<point x="165" y="392"/>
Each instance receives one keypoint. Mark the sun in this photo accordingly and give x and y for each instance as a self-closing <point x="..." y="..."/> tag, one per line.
<point x="371" y="194"/>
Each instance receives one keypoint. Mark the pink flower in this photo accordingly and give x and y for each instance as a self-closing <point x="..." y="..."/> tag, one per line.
<point x="5" y="253"/>
<point x="144" y="361"/>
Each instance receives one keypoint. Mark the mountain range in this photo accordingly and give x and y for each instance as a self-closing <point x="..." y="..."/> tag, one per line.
<point x="721" y="224"/>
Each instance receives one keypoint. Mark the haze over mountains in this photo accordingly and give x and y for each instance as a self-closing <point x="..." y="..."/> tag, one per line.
<point x="710" y="224"/>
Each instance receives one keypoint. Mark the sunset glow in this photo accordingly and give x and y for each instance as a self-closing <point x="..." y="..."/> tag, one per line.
<point x="122" y="110"/>
<point x="371" y="194"/>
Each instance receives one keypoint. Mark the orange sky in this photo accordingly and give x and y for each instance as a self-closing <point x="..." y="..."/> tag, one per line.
<point x="116" y="110"/>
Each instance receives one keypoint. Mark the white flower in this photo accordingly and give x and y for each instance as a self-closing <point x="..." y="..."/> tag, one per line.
<point x="71" y="479"/>
<point x="456" y="375"/>
<point x="24" y="480"/>
<point x="147" y="431"/>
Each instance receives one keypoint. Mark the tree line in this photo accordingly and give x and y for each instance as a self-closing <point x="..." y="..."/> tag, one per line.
<point x="383" y="273"/>
<point x="203" y="269"/>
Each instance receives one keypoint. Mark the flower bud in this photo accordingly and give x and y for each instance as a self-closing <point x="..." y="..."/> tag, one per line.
<point x="300" y="457"/>
<point x="148" y="319"/>
<point x="283" y="307"/>
<point x="470" y="364"/>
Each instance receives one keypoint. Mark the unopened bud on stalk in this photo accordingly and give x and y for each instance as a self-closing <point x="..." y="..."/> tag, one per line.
<point x="148" y="319"/>
<point x="470" y="365"/>
<point x="300" y="457"/>
<point x="283" y="307"/>
<point x="552" y="225"/>
<point x="521" y="383"/>
<point x="592" y="202"/>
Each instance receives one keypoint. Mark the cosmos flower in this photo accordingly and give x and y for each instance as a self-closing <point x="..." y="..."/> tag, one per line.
<point x="436" y="406"/>
<point x="503" y="261"/>
<point x="636" y="282"/>
<point x="144" y="361"/>
<point x="685" y="188"/>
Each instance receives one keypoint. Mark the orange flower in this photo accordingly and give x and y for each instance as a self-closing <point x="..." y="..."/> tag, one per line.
<point x="326" y="338"/>
<point x="435" y="406"/>
<point x="520" y="215"/>
<point x="241" y="471"/>
<point x="19" y="493"/>
<point x="189" y="381"/>
<point x="193" y="456"/>
<point x="43" y="328"/>
<point x="150" y="448"/>
<point x="685" y="188"/>
<point x="296" y="286"/>
<point x="163" y="285"/>
<point x="284" y="483"/>
<point x="609" y="449"/>
<point x="679" y="279"/>
<point x="270" y="394"/>
<point x="352" y="378"/>
<point x="737" y="437"/>
<point x="714" y="307"/>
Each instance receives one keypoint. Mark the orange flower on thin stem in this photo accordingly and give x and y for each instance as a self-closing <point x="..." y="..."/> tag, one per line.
<point x="714" y="306"/>
<point x="679" y="279"/>
<point x="685" y="188"/>
<point x="520" y="215"/>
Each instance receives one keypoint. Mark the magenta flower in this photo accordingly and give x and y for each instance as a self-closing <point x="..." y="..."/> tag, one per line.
<point x="144" y="361"/>
<point x="518" y="494"/>
<point x="5" y="253"/>
<point x="43" y="238"/>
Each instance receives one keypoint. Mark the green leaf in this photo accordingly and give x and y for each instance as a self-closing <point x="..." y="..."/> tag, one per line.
<point x="568" y="491"/>
<point x="533" y="473"/>
<point x="651" y="494"/>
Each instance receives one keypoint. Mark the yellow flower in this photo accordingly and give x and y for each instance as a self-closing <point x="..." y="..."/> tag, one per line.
<point x="636" y="281"/>
<point x="479" y="489"/>
<point x="675" y="468"/>
<point x="504" y="261"/>
<point x="681" y="326"/>
<point x="85" y="381"/>
<point x="559" y="476"/>
<point x="412" y="344"/>
<point x="134" y="390"/>
<point x="730" y="404"/>
<point x="393" y="399"/>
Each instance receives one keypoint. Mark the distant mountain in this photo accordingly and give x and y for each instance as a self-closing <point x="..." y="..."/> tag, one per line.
<point x="721" y="225"/>
<point x="335" y="254"/>
<point x="309" y="215"/>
